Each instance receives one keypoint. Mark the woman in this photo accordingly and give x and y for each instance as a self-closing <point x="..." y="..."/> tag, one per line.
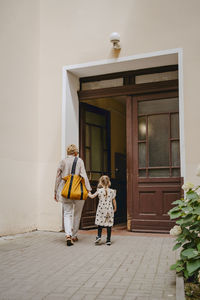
<point x="72" y="208"/>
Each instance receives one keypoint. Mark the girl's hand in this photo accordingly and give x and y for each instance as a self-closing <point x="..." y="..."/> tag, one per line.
<point x="55" y="198"/>
<point x="89" y="194"/>
<point x="114" y="205"/>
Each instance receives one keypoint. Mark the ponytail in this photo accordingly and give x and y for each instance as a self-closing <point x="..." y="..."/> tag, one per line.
<point x="104" y="182"/>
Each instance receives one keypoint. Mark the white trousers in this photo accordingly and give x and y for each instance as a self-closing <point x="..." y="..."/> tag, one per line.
<point x="72" y="215"/>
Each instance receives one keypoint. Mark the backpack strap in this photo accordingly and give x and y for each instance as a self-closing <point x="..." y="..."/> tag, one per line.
<point x="74" y="165"/>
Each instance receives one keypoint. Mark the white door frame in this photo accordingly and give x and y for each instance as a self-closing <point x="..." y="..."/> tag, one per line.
<point x="72" y="73"/>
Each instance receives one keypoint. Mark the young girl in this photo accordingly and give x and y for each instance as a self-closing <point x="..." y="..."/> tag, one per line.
<point x="106" y="208"/>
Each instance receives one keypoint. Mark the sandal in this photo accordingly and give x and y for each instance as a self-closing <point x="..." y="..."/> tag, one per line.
<point x="74" y="239"/>
<point x="69" y="241"/>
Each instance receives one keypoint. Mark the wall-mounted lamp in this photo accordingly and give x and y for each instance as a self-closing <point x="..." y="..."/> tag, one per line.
<point x="115" y="39"/>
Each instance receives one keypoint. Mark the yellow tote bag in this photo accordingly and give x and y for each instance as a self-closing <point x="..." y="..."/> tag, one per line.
<point x="74" y="187"/>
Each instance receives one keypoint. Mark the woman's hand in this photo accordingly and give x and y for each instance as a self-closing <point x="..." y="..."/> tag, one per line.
<point x="55" y="198"/>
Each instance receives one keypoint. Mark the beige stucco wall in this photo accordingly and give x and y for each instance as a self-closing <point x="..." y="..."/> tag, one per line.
<point x="78" y="32"/>
<point x="73" y="32"/>
<point x="19" y="23"/>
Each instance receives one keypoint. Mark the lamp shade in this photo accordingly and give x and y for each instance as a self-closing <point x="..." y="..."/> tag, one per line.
<point x="115" y="37"/>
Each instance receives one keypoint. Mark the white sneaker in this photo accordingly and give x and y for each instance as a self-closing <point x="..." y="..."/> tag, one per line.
<point x="108" y="243"/>
<point x="98" y="240"/>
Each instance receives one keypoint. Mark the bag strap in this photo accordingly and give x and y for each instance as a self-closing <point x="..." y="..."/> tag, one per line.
<point x="74" y="165"/>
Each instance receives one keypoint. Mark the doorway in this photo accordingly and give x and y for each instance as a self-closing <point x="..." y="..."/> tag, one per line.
<point x="135" y="141"/>
<point x="133" y="85"/>
<point x="103" y="148"/>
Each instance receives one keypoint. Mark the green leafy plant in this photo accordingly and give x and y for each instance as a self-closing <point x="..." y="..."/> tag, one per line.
<point x="187" y="232"/>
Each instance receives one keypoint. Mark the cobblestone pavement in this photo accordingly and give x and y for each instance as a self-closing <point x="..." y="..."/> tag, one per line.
<point x="39" y="265"/>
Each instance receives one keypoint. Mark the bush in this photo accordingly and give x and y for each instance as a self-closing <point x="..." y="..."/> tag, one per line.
<point x="187" y="232"/>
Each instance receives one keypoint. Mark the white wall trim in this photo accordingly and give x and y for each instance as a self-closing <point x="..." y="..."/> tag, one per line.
<point x="122" y="59"/>
<point x="64" y="103"/>
<point x="70" y="98"/>
<point x="181" y="113"/>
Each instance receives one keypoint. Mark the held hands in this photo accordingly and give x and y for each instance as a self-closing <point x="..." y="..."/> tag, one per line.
<point x="92" y="196"/>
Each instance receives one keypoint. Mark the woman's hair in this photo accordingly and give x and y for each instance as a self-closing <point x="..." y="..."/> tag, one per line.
<point x="104" y="181"/>
<point x="72" y="149"/>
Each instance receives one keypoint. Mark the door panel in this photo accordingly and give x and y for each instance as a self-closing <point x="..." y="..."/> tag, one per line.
<point x="153" y="160"/>
<point x="95" y="151"/>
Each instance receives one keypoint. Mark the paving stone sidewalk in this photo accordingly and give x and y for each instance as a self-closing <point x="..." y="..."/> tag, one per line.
<point x="39" y="265"/>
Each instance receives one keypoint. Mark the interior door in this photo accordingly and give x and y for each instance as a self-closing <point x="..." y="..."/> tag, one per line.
<point x="153" y="154"/>
<point x="95" y="151"/>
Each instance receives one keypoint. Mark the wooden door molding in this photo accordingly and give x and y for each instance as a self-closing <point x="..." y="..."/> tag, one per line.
<point x="129" y="161"/>
<point x="133" y="89"/>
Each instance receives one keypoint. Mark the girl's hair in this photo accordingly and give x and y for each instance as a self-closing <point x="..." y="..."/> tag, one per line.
<point x="104" y="181"/>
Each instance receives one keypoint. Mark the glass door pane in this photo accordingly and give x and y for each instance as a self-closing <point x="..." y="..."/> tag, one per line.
<point x="174" y="126"/>
<point x="158" y="136"/>
<point x="96" y="141"/>
<point x="142" y="127"/>
<point x="96" y="148"/>
<point x="158" y="106"/>
<point x="175" y="153"/>
<point x="142" y="155"/>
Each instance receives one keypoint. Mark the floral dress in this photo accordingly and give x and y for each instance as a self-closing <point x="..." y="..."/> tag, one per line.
<point x="105" y="211"/>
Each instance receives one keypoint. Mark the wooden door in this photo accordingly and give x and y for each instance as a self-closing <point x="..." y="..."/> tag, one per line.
<point x="95" y="151"/>
<point x="153" y="160"/>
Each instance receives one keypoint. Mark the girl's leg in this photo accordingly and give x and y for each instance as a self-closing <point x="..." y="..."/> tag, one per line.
<point x="98" y="238"/>
<point x="99" y="231"/>
<point x="109" y="228"/>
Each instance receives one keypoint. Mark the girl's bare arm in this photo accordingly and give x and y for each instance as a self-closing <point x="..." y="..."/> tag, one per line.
<point x="114" y="204"/>
<point x="92" y="195"/>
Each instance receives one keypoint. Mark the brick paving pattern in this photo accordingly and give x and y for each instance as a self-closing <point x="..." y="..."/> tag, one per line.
<point x="39" y="265"/>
